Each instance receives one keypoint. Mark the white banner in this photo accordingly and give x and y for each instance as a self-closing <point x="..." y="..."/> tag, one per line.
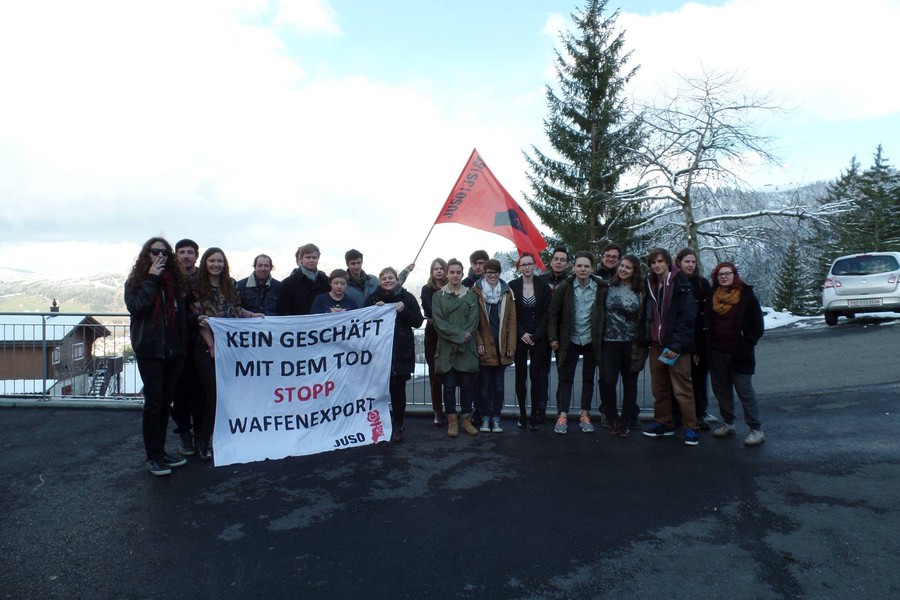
<point x="289" y="386"/>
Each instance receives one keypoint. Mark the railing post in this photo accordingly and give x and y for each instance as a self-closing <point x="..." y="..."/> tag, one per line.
<point x="44" y="357"/>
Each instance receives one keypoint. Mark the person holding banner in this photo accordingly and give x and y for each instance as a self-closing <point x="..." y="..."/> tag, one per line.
<point x="216" y="296"/>
<point x="455" y="316"/>
<point x="337" y="299"/>
<point x="403" y="358"/>
<point x="436" y="281"/>
<point x="495" y="341"/>
<point x="155" y="297"/>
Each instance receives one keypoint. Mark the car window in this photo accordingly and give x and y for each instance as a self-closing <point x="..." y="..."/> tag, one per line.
<point x="865" y="265"/>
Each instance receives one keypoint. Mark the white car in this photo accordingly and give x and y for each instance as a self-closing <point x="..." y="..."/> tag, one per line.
<point x="862" y="283"/>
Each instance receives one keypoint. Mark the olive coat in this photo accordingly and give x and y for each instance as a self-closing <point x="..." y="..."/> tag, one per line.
<point x="453" y="317"/>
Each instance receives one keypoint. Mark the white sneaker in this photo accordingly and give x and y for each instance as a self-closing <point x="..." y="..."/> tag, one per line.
<point x="754" y="438"/>
<point x="724" y="430"/>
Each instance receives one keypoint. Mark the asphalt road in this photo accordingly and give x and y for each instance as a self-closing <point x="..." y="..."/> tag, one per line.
<point x="812" y="513"/>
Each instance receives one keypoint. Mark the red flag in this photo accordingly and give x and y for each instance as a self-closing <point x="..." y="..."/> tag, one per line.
<point x="478" y="200"/>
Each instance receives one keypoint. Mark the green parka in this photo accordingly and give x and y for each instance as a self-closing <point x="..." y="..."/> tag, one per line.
<point x="453" y="316"/>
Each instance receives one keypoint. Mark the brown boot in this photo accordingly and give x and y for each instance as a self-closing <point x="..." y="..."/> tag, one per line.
<point x="452" y="427"/>
<point x="467" y="425"/>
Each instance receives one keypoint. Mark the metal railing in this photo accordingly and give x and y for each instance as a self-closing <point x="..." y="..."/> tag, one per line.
<point x="41" y="363"/>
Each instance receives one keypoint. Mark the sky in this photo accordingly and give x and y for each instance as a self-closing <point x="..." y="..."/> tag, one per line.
<point x="261" y="125"/>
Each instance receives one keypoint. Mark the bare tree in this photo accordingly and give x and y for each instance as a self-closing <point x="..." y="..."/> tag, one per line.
<point x="698" y="144"/>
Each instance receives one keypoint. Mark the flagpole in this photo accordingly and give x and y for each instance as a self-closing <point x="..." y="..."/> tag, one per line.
<point x="423" y="244"/>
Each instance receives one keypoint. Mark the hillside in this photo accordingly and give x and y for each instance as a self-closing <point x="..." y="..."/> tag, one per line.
<point x="33" y="292"/>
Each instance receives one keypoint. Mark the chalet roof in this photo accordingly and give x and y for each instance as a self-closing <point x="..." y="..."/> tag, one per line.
<point x="28" y="328"/>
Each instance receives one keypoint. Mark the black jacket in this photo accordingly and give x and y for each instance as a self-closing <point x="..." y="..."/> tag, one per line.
<point x="542" y="295"/>
<point x="403" y="359"/>
<point x="752" y="327"/>
<point x="298" y="292"/>
<point x="561" y="322"/>
<point x="701" y="290"/>
<point x="150" y="335"/>
<point x="673" y="305"/>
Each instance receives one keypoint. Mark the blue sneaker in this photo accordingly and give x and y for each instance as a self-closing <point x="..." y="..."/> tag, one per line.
<point x="658" y="430"/>
<point x="561" y="425"/>
<point x="690" y="437"/>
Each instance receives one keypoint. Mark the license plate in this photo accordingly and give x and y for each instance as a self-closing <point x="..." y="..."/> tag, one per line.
<point x="864" y="303"/>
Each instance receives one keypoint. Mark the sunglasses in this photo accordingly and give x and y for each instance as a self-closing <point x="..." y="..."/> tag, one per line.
<point x="158" y="251"/>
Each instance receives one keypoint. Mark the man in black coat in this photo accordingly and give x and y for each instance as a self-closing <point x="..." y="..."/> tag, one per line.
<point x="303" y="285"/>
<point x="671" y="314"/>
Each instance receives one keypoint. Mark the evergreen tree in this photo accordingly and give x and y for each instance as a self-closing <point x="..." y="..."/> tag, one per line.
<point x="575" y="192"/>
<point x="836" y="234"/>
<point x="878" y="215"/>
<point x="792" y="284"/>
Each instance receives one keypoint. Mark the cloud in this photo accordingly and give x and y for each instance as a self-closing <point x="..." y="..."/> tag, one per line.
<point x="308" y="16"/>
<point x="825" y="57"/>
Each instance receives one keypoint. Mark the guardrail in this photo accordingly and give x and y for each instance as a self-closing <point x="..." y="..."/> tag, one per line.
<point x="85" y="359"/>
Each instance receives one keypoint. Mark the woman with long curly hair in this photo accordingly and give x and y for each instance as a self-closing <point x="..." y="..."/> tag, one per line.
<point x="155" y="295"/>
<point x="216" y="296"/>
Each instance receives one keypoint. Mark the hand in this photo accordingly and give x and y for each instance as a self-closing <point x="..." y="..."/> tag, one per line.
<point x="510" y="352"/>
<point x="696" y="358"/>
<point x="158" y="266"/>
<point x="480" y="350"/>
<point x="379" y="303"/>
<point x="203" y="321"/>
<point x="468" y="336"/>
<point x="670" y="353"/>
<point x="410" y="267"/>
<point x="399" y="307"/>
<point x="335" y="309"/>
<point x="554" y="345"/>
<point x="528" y="339"/>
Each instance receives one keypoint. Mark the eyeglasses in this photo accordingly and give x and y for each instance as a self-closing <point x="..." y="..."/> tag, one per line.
<point x="492" y="272"/>
<point x="725" y="273"/>
<point x="158" y="251"/>
<point x="614" y="256"/>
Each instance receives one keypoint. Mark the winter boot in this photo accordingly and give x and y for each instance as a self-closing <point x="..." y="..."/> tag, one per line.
<point x="467" y="425"/>
<point x="453" y="427"/>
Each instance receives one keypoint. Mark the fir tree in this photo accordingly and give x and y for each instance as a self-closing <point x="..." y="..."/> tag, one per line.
<point x="793" y="291"/>
<point x="878" y="217"/>
<point x="575" y="192"/>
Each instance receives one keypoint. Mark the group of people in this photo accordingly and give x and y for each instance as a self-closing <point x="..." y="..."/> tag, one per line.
<point x="476" y="326"/>
<point x="611" y="317"/>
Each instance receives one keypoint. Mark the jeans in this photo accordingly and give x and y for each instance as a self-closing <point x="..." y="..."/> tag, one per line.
<point x="492" y="389"/>
<point x="453" y="379"/>
<point x="160" y="377"/>
<point x="206" y="370"/>
<point x="567" y="377"/>
<point x="398" y="399"/>
<point x="725" y="382"/>
<point x="666" y="381"/>
<point x="538" y="370"/>
<point x="615" y="361"/>
<point x="187" y="407"/>
<point x="434" y="382"/>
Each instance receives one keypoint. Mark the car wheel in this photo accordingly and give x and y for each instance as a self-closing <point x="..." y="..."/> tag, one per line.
<point x="831" y="319"/>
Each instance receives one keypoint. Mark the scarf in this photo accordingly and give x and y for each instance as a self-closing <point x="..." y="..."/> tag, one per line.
<point x="166" y="301"/>
<point x="490" y="295"/>
<point x="311" y="275"/>
<point x="724" y="299"/>
<point x="357" y="282"/>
